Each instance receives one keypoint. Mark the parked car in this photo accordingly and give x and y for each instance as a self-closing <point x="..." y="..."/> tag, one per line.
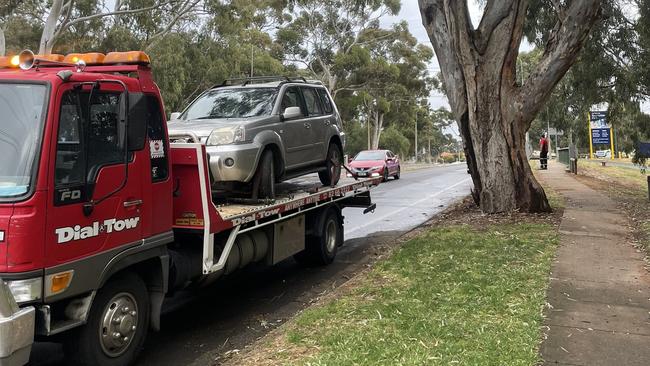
<point x="260" y="131"/>
<point x="375" y="163"/>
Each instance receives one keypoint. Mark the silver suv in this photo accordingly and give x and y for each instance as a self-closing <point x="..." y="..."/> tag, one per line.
<point x="260" y="131"/>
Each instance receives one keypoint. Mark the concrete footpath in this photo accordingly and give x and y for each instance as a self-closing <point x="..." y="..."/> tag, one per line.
<point x="599" y="296"/>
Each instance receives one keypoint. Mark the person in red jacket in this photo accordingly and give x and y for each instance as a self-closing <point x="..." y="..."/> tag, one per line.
<point x="543" y="155"/>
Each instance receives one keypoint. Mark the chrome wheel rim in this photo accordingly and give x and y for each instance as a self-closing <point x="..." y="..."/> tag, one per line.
<point x="119" y="324"/>
<point x="330" y="236"/>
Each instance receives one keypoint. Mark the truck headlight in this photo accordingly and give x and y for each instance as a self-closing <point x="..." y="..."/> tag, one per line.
<point x="226" y="136"/>
<point x="26" y="290"/>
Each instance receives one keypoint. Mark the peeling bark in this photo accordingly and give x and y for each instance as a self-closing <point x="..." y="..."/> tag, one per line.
<point x="3" y="43"/>
<point x="493" y="113"/>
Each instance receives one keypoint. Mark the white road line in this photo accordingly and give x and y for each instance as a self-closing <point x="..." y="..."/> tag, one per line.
<point x="406" y="208"/>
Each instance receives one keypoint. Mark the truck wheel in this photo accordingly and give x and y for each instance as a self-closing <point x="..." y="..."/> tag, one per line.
<point x="117" y="325"/>
<point x="264" y="179"/>
<point x="321" y="249"/>
<point x="331" y="176"/>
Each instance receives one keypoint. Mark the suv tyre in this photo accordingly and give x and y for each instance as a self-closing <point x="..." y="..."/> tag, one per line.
<point x="331" y="176"/>
<point x="264" y="179"/>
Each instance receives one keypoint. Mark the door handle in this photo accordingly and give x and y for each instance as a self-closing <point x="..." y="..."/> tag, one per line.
<point x="307" y="125"/>
<point x="327" y="122"/>
<point x="133" y="203"/>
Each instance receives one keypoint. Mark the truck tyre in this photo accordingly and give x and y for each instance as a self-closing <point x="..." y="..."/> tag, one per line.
<point x="321" y="249"/>
<point x="264" y="179"/>
<point x="117" y="325"/>
<point x="331" y="176"/>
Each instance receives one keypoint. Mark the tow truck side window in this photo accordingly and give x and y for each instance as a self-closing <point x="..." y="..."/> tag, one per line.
<point x="157" y="141"/>
<point x="100" y="132"/>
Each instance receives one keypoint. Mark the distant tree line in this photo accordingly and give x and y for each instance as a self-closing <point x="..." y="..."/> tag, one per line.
<point x="378" y="75"/>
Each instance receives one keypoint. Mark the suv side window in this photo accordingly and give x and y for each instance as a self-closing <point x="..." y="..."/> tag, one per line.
<point x="291" y="98"/>
<point x="100" y="132"/>
<point x="312" y="101"/>
<point x="327" y="103"/>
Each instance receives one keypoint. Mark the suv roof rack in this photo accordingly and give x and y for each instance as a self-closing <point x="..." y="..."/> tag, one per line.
<point x="248" y="80"/>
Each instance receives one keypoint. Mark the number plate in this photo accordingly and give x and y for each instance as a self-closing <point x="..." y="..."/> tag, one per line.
<point x="362" y="174"/>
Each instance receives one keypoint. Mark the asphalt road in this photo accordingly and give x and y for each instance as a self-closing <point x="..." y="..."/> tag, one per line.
<point x="201" y="328"/>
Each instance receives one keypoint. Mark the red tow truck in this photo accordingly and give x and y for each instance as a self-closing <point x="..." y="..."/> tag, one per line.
<point x="101" y="218"/>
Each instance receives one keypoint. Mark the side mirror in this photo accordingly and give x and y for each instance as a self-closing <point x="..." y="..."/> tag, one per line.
<point x="292" y="113"/>
<point x="174" y="116"/>
<point x="137" y="121"/>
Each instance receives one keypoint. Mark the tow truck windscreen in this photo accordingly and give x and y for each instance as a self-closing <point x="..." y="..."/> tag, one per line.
<point x="232" y="103"/>
<point x="21" y="126"/>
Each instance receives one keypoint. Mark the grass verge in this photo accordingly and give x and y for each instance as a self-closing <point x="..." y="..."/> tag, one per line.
<point x="626" y="186"/>
<point x="468" y="291"/>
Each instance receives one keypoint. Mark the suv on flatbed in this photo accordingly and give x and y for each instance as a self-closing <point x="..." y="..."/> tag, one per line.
<point x="260" y="131"/>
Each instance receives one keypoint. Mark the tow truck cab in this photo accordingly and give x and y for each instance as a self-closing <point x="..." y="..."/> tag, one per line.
<point x="101" y="218"/>
<point x="85" y="175"/>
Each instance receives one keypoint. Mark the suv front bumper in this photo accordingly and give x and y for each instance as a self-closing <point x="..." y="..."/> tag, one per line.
<point x="243" y="162"/>
<point x="16" y="329"/>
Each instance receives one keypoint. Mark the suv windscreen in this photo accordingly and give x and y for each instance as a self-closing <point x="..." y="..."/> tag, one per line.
<point x="21" y="125"/>
<point x="232" y="103"/>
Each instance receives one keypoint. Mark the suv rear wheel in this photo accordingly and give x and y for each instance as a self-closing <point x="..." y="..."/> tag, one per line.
<point x="331" y="176"/>
<point x="264" y="179"/>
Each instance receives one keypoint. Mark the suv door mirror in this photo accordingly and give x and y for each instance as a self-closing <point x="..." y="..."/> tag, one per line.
<point x="174" y="116"/>
<point x="292" y="113"/>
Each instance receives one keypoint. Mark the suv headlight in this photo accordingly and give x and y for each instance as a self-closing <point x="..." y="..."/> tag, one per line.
<point x="26" y="290"/>
<point x="226" y="136"/>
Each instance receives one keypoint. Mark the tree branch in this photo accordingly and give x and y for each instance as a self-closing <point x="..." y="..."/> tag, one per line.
<point x="495" y="13"/>
<point x="119" y="12"/>
<point x="560" y="53"/>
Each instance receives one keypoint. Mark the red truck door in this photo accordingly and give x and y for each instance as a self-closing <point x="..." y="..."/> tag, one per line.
<point x="88" y="164"/>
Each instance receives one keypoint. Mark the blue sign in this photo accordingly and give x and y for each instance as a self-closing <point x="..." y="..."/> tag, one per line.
<point x="644" y="148"/>
<point x="600" y="136"/>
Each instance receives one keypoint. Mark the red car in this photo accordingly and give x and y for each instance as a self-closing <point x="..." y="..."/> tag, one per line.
<point x="375" y="163"/>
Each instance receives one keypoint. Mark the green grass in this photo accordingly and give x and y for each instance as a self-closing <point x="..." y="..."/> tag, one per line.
<point x="453" y="296"/>
<point x="632" y="178"/>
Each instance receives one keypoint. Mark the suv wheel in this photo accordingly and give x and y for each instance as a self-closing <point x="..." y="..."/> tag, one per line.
<point x="264" y="179"/>
<point x="331" y="176"/>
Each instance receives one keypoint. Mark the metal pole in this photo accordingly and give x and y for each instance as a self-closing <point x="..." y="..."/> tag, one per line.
<point x="416" y="135"/>
<point x="252" y="59"/>
<point x="648" y="187"/>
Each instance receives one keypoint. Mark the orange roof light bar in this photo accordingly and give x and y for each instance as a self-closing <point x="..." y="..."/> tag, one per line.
<point x="93" y="58"/>
<point x="131" y="57"/>
<point x="53" y="57"/>
<point x="9" y="62"/>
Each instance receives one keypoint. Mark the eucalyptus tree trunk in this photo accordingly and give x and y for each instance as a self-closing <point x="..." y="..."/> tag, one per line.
<point x="3" y="43"/>
<point x="493" y="113"/>
<point x="49" y="30"/>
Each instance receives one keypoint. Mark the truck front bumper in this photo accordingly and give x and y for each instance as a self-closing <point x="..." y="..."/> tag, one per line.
<point x="16" y="329"/>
